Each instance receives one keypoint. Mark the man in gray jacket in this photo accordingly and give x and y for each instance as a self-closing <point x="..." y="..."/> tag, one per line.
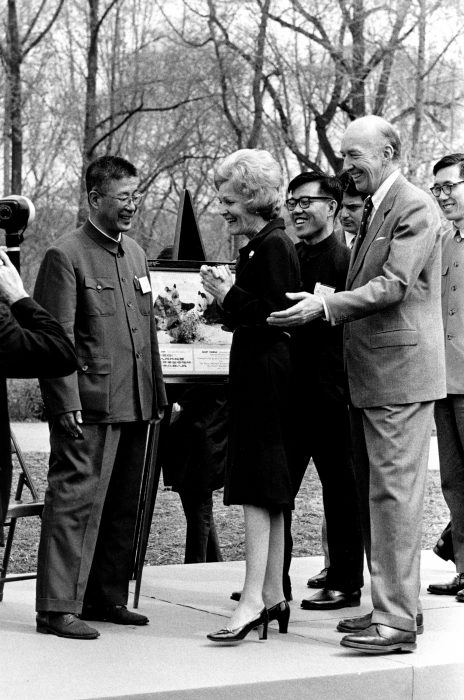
<point x="95" y="281"/>
<point x="449" y="412"/>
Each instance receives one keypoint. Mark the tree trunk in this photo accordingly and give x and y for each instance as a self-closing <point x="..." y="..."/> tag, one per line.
<point x="358" y="59"/>
<point x="7" y="139"/>
<point x="14" y="78"/>
<point x="90" y="106"/>
<point x="419" y="95"/>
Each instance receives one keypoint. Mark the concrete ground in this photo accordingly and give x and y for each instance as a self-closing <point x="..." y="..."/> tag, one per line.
<point x="171" y="657"/>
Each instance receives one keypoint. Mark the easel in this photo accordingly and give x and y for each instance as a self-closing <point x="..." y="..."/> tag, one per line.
<point x="18" y="509"/>
<point x="188" y="246"/>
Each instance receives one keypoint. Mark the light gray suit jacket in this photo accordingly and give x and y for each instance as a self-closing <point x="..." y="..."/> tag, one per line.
<point x="393" y="336"/>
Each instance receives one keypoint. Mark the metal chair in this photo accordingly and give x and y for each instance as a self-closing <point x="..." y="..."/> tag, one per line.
<point x="18" y="509"/>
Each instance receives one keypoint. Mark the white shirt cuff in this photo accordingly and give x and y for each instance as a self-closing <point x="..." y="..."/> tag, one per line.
<point x="326" y="310"/>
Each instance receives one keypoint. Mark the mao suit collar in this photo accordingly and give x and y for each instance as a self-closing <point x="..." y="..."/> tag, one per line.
<point x="105" y="242"/>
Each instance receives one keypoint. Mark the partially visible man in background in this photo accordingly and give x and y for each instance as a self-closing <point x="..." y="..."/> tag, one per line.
<point x="32" y="344"/>
<point x="351" y="209"/>
<point x="96" y="282"/>
<point x="448" y="189"/>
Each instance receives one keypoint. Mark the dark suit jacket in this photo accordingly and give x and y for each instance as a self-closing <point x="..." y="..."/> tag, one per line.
<point x="32" y="344"/>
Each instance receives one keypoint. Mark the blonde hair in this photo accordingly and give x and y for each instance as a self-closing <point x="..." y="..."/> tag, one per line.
<point x="256" y="175"/>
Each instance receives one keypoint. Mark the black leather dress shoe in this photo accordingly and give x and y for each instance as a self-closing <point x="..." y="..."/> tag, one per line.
<point x="319" y="580"/>
<point x="117" y="614"/>
<point x="460" y="596"/>
<point x="451" y="588"/>
<point x="326" y="599"/>
<point x="359" y="624"/>
<point x="64" y="625"/>
<point x="236" y="595"/>
<point x="380" y="639"/>
<point x="444" y="547"/>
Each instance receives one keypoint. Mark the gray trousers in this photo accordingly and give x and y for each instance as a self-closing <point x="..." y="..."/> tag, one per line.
<point x="391" y="449"/>
<point x="89" y="517"/>
<point x="449" y="419"/>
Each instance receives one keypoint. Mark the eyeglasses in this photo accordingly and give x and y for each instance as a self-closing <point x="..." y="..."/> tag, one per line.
<point x="436" y="190"/>
<point x="136" y="197"/>
<point x="304" y="202"/>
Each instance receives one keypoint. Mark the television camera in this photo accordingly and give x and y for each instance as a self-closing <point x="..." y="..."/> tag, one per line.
<point x="16" y="212"/>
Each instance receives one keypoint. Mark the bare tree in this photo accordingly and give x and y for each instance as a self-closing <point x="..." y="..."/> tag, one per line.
<point x="13" y="52"/>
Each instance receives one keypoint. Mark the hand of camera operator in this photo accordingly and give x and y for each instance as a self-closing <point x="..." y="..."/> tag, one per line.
<point x="70" y="424"/>
<point x="11" y="285"/>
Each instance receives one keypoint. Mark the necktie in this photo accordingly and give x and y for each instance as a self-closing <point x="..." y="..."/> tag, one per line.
<point x="368" y="206"/>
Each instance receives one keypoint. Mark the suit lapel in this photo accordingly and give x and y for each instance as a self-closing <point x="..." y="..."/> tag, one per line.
<point x="374" y="228"/>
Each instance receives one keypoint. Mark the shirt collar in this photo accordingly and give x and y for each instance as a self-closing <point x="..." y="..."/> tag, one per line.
<point x="380" y="194"/>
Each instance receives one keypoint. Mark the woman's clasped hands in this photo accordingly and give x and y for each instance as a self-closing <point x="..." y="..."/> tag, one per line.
<point x="216" y="280"/>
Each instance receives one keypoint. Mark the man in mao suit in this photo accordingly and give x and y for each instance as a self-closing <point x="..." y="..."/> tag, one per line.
<point x="394" y="356"/>
<point x="32" y="344"/>
<point x="96" y="282"/>
<point x="449" y="412"/>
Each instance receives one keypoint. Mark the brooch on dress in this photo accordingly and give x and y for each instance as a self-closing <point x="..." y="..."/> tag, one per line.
<point x="251" y="253"/>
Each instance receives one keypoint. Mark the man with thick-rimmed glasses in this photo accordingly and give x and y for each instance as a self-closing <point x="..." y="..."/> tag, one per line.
<point x="321" y="409"/>
<point x="96" y="282"/>
<point x="448" y="189"/>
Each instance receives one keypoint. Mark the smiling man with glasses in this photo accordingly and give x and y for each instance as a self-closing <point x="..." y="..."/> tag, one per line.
<point x="321" y="408"/>
<point x="448" y="189"/>
<point x="96" y="282"/>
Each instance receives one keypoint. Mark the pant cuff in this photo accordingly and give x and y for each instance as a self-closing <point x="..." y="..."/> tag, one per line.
<point x="401" y="623"/>
<point x="62" y="606"/>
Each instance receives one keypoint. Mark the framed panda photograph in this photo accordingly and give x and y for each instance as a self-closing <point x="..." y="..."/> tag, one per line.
<point x="191" y="335"/>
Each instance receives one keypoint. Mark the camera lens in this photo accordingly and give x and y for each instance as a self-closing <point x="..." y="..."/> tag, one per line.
<point x="6" y="212"/>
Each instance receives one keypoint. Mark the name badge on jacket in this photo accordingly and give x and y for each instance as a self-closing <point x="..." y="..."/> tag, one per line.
<point x="142" y="283"/>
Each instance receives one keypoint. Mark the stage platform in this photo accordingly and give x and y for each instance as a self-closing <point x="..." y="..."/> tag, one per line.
<point x="171" y="657"/>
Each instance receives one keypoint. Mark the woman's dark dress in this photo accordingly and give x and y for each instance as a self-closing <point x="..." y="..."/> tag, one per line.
<point x="260" y="375"/>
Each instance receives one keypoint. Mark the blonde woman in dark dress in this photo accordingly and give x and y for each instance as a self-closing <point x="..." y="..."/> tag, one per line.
<point x="249" y="184"/>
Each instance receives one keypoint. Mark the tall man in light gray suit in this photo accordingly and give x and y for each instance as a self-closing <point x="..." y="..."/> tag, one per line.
<point x="394" y="356"/>
<point x="449" y="412"/>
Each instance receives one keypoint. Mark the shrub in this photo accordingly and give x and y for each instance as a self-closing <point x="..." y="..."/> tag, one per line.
<point x="25" y="401"/>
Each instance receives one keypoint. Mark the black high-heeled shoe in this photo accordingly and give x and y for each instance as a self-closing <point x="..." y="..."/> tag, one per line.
<point x="227" y="635"/>
<point x="281" y="613"/>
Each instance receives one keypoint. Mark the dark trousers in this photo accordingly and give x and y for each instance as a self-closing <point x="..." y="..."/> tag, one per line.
<point x="88" y="523"/>
<point x="201" y="543"/>
<point x="449" y="419"/>
<point x="324" y="436"/>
